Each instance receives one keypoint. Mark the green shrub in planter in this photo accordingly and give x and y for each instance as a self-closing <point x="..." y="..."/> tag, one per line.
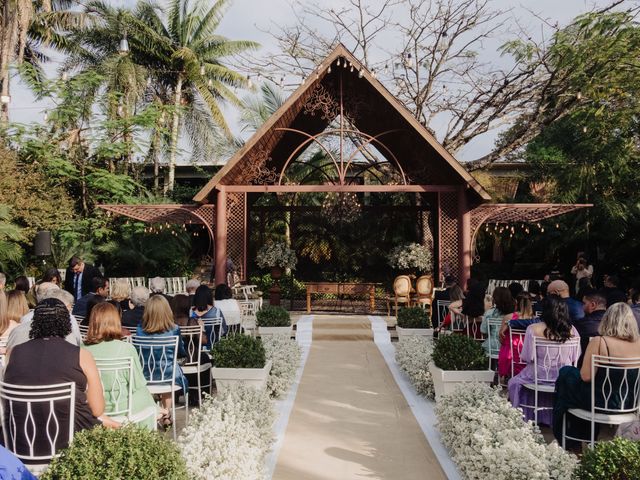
<point x="413" y="317"/>
<point x="618" y="459"/>
<point x="458" y="352"/>
<point x="129" y="452"/>
<point x="238" y="351"/>
<point x="272" y="316"/>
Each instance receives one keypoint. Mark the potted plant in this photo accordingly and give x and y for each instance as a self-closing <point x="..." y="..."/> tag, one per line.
<point x="273" y="320"/>
<point x="411" y="258"/>
<point x="458" y="359"/>
<point x="413" y="321"/>
<point x="239" y="358"/>
<point x="276" y="256"/>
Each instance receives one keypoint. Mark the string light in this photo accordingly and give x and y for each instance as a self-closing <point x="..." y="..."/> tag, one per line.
<point x="361" y="73"/>
<point x="202" y="69"/>
<point x="329" y="69"/>
<point x="338" y="63"/>
<point x="579" y="95"/>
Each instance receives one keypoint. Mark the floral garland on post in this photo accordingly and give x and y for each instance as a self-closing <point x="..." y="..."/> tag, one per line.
<point x="276" y="254"/>
<point x="411" y="256"/>
<point x="229" y="436"/>
<point x="488" y="438"/>
<point x="285" y="356"/>
<point x="413" y="356"/>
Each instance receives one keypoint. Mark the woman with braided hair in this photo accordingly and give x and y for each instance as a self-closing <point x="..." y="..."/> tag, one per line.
<point x="47" y="358"/>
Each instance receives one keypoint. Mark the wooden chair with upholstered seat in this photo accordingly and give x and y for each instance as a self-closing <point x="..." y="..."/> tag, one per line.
<point x="424" y="291"/>
<point x="401" y="291"/>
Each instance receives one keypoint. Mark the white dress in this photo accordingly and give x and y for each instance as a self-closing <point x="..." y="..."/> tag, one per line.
<point x="230" y="309"/>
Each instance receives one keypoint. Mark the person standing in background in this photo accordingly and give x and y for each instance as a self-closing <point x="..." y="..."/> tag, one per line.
<point x="79" y="278"/>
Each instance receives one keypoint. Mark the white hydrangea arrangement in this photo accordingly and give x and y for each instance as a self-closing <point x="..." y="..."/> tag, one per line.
<point x="411" y="256"/>
<point x="285" y="355"/>
<point x="488" y="438"/>
<point x="413" y="356"/>
<point x="276" y="254"/>
<point x="229" y="436"/>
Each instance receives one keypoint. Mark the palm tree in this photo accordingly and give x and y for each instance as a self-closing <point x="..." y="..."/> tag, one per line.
<point x="10" y="235"/>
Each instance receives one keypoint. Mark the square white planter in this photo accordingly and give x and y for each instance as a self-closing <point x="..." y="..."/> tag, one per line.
<point x="252" y="377"/>
<point x="409" y="332"/>
<point x="270" y="331"/>
<point x="446" y="381"/>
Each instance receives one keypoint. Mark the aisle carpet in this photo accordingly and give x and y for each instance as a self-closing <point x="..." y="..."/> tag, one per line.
<point x="350" y="420"/>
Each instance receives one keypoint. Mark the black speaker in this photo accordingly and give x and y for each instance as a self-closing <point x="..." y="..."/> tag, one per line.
<point x="42" y="243"/>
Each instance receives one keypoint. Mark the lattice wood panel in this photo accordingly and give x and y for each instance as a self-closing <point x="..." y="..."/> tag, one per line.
<point x="236" y="225"/>
<point x="427" y="231"/>
<point x="449" y="234"/>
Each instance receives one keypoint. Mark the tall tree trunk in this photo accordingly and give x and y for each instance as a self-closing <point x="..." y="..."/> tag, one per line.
<point x="5" y="57"/>
<point x="174" y="135"/>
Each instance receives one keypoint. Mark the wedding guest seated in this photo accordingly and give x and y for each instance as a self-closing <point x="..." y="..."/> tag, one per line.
<point x="635" y="304"/>
<point x="456" y="296"/>
<point x="157" y="286"/>
<point x="22" y="283"/>
<point x="561" y="288"/>
<point x="104" y="341"/>
<point x="10" y="312"/>
<point x="20" y="334"/>
<point x="11" y="468"/>
<point x="229" y="306"/>
<point x="618" y="337"/>
<point x="133" y="316"/>
<point x="120" y="292"/>
<point x="52" y="275"/>
<point x="157" y="322"/>
<point x="522" y="318"/>
<point x="203" y="309"/>
<point x="612" y="291"/>
<point x="595" y="305"/>
<point x="555" y="326"/>
<point x="100" y="287"/>
<point x="502" y="312"/>
<point x="192" y="286"/>
<point x="515" y="288"/>
<point x="48" y="359"/>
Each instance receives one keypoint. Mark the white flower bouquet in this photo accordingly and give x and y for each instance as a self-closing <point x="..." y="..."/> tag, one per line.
<point x="285" y="356"/>
<point x="488" y="438"/>
<point x="411" y="256"/>
<point x="413" y="356"/>
<point x="276" y="254"/>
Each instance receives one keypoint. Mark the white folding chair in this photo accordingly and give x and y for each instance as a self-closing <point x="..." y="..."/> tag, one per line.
<point x="84" y="330"/>
<point x="248" y="314"/>
<point x="493" y="325"/>
<point x="159" y="360"/>
<point x="618" y="382"/>
<point x="3" y="351"/>
<point x="549" y="357"/>
<point x="516" y="336"/>
<point x="472" y="327"/>
<point x="458" y="323"/>
<point x="116" y="375"/>
<point x="192" y="338"/>
<point x="442" y="307"/>
<point x="212" y="330"/>
<point x="133" y="330"/>
<point x="30" y="417"/>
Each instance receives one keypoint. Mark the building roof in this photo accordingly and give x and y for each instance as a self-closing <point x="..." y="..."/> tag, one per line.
<point x="371" y="109"/>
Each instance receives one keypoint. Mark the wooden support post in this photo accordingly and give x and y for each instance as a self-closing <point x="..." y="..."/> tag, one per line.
<point x="464" y="222"/>
<point x="221" y="238"/>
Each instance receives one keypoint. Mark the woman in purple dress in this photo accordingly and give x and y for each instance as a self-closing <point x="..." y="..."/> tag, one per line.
<point x="556" y="327"/>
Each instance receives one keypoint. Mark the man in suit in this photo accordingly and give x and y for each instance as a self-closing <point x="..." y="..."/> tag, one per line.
<point x="79" y="278"/>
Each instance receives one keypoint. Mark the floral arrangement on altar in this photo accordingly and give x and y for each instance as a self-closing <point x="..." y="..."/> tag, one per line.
<point x="413" y="356"/>
<point x="276" y="254"/>
<point x="411" y="256"/>
<point x="484" y="433"/>
<point x="284" y="354"/>
<point x="229" y="436"/>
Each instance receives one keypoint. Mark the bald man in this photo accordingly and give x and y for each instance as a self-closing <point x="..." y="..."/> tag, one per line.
<point x="560" y="288"/>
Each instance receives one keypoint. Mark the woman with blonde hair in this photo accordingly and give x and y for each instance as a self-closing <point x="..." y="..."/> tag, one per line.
<point x="104" y="341"/>
<point x="120" y="291"/>
<point x="157" y="322"/>
<point x="17" y="306"/>
<point x="6" y="324"/>
<point x="619" y="338"/>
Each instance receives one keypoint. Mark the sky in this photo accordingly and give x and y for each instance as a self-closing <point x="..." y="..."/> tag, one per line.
<point x="248" y="20"/>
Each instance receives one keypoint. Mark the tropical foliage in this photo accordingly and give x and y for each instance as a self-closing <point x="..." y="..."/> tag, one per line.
<point x="411" y="256"/>
<point x="276" y="254"/>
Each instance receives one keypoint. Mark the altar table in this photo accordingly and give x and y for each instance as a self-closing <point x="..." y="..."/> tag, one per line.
<point x="342" y="288"/>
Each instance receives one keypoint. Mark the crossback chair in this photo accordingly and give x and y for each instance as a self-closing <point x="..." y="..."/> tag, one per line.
<point x="159" y="360"/>
<point x="619" y="393"/>
<point x="192" y="338"/>
<point x="546" y="366"/>
<point x="33" y="426"/>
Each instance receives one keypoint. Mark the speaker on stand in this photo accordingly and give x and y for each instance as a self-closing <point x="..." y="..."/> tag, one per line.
<point x="42" y="244"/>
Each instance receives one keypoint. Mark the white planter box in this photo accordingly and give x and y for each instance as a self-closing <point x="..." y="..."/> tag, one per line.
<point x="269" y="331"/>
<point x="446" y="381"/>
<point x="252" y="377"/>
<point x="408" y="332"/>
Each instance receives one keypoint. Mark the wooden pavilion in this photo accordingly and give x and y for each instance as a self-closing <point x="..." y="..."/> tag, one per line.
<point x="342" y="104"/>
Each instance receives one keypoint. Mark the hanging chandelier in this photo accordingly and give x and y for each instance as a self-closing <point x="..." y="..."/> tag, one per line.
<point x="342" y="207"/>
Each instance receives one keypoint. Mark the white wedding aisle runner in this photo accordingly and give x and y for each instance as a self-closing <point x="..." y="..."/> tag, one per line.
<point x="350" y="419"/>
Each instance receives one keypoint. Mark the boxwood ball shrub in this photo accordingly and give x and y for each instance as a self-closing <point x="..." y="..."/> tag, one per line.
<point x="238" y="351"/>
<point x="618" y="459"/>
<point x="413" y="317"/>
<point x="128" y="452"/>
<point x="273" y="316"/>
<point x="458" y="352"/>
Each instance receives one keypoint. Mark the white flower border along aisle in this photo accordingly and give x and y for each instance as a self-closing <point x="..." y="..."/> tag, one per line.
<point x="488" y="439"/>
<point x="413" y="356"/>
<point x="285" y="355"/>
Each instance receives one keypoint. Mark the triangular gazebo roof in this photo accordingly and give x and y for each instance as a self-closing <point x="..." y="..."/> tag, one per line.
<point x="371" y="108"/>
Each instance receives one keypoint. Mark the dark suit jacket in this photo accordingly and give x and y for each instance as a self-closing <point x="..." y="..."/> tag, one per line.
<point x="87" y="279"/>
<point x="133" y="317"/>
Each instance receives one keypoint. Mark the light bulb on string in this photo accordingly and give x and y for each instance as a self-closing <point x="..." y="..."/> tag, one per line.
<point x="202" y="69"/>
<point x="249" y="82"/>
<point x="329" y="69"/>
<point x="557" y="225"/>
<point x="579" y="95"/>
<point x="361" y="73"/>
<point x="210" y="83"/>
<point x="338" y="63"/>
